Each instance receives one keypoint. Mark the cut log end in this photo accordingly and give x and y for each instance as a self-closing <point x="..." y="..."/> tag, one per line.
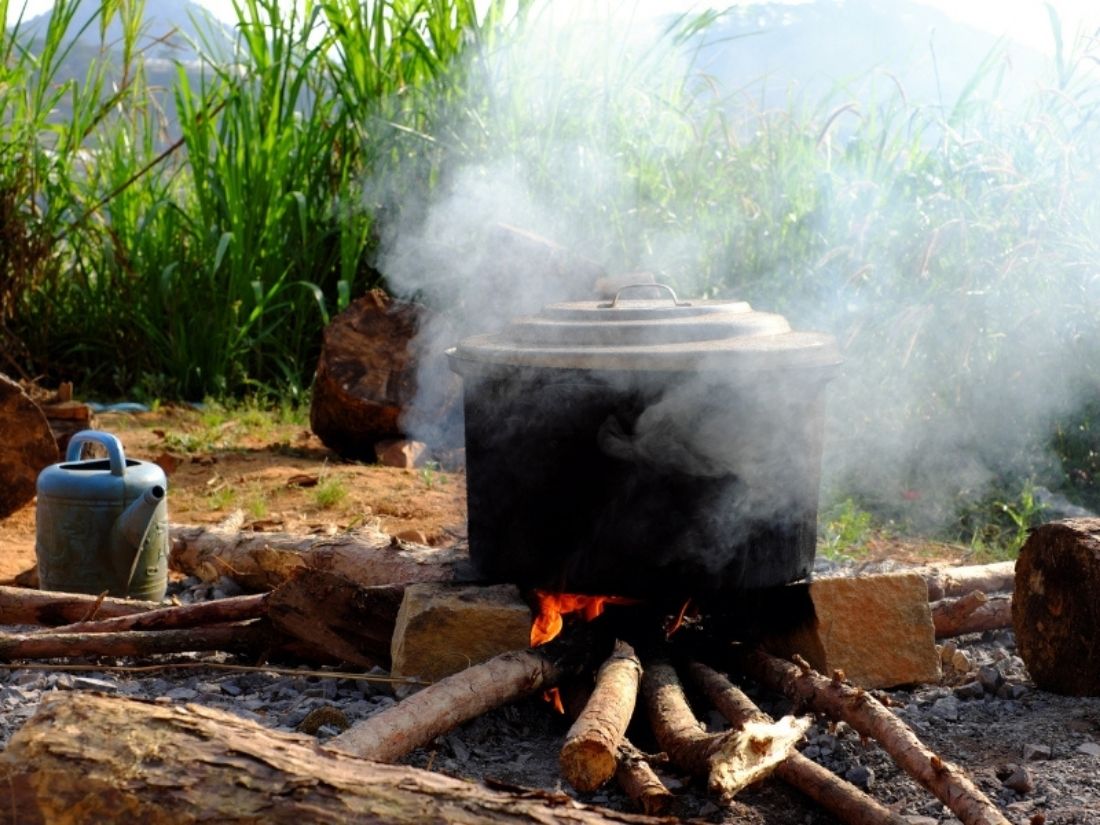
<point x="1056" y="606"/>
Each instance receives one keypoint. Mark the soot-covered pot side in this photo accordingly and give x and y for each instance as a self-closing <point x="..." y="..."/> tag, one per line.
<point x="683" y="462"/>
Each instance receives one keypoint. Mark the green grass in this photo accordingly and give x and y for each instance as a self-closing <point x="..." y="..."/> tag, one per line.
<point x="949" y="247"/>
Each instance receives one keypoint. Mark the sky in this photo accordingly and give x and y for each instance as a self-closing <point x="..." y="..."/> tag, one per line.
<point x="1023" y="20"/>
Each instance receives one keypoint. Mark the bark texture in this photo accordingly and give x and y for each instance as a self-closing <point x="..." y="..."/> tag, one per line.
<point x="868" y="716"/>
<point x="261" y="561"/>
<point x="24" y="605"/>
<point x="90" y="758"/>
<point x="1056" y="608"/>
<point x="842" y="799"/>
<point x="730" y="761"/>
<point x="446" y="704"/>
<point x="952" y="582"/>
<point x="255" y="637"/>
<point x="590" y="754"/>
<point x="973" y="613"/>
<point x="26" y="446"/>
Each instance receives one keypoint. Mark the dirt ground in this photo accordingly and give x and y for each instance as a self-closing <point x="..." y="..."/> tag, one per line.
<point x="279" y="475"/>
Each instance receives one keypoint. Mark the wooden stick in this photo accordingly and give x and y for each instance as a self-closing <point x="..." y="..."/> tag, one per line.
<point x="591" y="750"/>
<point x="438" y="708"/>
<point x="639" y="781"/>
<point x="23" y="605"/>
<point x="950" y="784"/>
<point x="219" y="611"/>
<point x="251" y="636"/>
<point x="841" y="799"/>
<point x="730" y="760"/>
<point x="973" y="613"/>
<point x="958" y="581"/>
<point x="260" y="561"/>
<point x="89" y="758"/>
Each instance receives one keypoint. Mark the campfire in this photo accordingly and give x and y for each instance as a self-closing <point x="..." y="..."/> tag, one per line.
<point x="612" y="661"/>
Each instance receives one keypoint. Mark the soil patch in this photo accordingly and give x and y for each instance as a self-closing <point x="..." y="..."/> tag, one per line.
<point x="278" y="474"/>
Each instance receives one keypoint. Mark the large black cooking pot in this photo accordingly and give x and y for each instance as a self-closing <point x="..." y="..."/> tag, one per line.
<point x="653" y="448"/>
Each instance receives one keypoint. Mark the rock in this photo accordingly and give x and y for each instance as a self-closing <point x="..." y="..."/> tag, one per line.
<point x="877" y="629"/>
<point x="990" y="678"/>
<point x="26" y="446"/>
<point x="444" y="628"/>
<point x="1089" y="749"/>
<point x="400" y="452"/>
<point x="947" y="651"/>
<point x="961" y="662"/>
<point x="1020" y="781"/>
<point x="970" y="690"/>
<point x="861" y="776"/>
<point x="922" y="820"/>
<point x="1011" y="691"/>
<point x="1033" y="752"/>
<point x="946" y="708"/>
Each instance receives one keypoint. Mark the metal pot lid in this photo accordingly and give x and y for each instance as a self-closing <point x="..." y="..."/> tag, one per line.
<point x="648" y="333"/>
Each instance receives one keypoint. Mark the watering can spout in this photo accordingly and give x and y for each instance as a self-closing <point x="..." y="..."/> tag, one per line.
<point x="133" y="523"/>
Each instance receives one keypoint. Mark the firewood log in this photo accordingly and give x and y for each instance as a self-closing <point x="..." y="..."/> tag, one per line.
<point x="591" y="750"/>
<point x="446" y="704"/>
<point x="950" y="784"/>
<point x="337" y="616"/>
<point x="252" y="637"/>
<point x="639" y="781"/>
<point x="730" y="761"/>
<point x="260" y="561"/>
<point x="23" y="605"/>
<point x="1056" y="608"/>
<point x="90" y="758"/>
<point x="841" y="799"/>
<point x="951" y="582"/>
<point x="973" y="613"/>
<point x="219" y="611"/>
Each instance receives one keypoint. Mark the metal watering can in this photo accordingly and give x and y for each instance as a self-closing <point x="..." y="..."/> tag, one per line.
<point x="102" y="524"/>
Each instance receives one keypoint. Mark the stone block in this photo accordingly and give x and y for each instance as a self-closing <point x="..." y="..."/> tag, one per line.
<point x="400" y="452"/>
<point x="877" y="629"/>
<point x="444" y="628"/>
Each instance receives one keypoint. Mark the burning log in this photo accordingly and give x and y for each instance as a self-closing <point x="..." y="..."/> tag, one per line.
<point x="22" y="605"/>
<point x="590" y="754"/>
<point x="973" y="613"/>
<point x="730" y="760"/>
<point x="949" y="783"/>
<point x="640" y="783"/>
<point x="253" y="637"/>
<point x="90" y="758"/>
<point x="446" y="704"/>
<point x="842" y="799"/>
<point x="261" y="561"/>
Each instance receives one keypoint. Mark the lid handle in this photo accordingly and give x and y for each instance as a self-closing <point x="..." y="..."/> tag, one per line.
<point x="671" y="295"/>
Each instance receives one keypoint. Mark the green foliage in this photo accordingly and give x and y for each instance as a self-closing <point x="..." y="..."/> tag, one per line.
<point x="949" y="247"/>
<point x="845" y="530"/>
<point x="330" y="492"/>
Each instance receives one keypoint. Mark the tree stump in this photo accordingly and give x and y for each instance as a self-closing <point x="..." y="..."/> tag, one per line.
<point x="1056" y="606"/>
<point x="367" y="375"/>
<point x="26" y="446"/>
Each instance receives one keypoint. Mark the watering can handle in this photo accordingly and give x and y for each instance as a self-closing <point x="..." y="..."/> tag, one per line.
<point x="113" y="446"/>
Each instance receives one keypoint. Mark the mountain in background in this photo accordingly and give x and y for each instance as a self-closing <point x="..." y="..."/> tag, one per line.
<point x="170" y="29"/>
<point x="811" y="51"/>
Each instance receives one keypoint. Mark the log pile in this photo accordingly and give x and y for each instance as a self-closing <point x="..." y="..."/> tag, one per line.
<point x="327" y="617"/>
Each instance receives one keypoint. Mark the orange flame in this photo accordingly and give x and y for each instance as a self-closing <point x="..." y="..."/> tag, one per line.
<point x="553" y="696"/>
<point x="678" y="622"/>
<point x="552" y="606"/>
